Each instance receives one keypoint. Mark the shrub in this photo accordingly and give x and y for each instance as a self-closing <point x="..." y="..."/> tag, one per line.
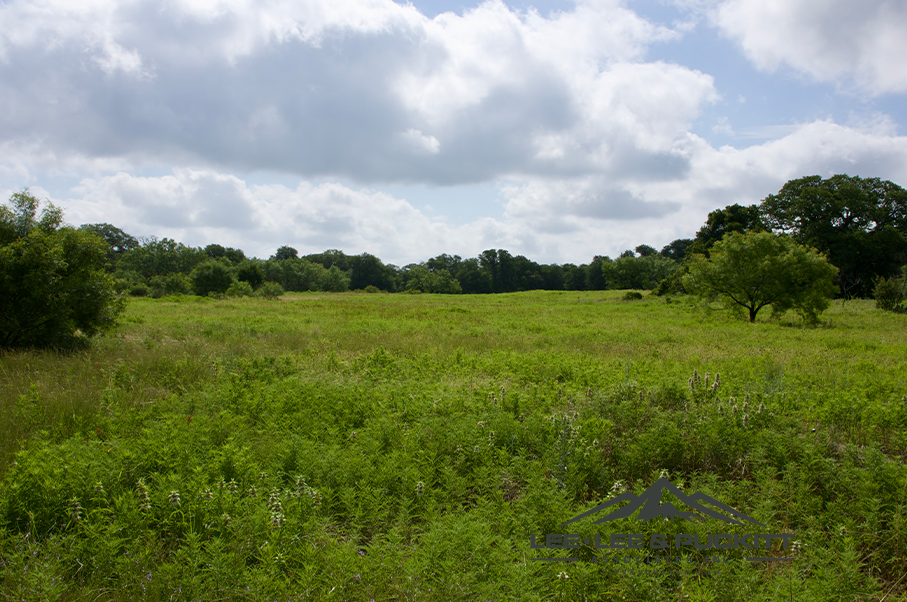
<point x="270" y="291"/>
<point x="211" y="277"/>
<point x="171" y="284"/>
<point x="890" y="293"/>
<point x="632" y="296"/>
<point x="240" y="288"/>
<point x="54" y="291"/>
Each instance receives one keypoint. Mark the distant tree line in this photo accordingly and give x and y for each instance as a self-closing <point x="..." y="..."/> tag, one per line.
<point x="817" y="237"/>
<point x="860" y="225"/>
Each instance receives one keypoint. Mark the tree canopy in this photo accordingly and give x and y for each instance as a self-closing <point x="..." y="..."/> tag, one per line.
<point x="54" y="291"/>
<point x="756" y="269"/>
<point x="860" y="224"/>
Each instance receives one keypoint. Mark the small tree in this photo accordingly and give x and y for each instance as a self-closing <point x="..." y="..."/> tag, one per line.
<point x="756" y="269"/>
<point x="211" y="277"/>
<point x="54" y="291"/>
<point x="890" y="293"/>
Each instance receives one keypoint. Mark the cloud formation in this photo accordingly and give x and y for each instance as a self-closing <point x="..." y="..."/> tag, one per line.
<point x="857" y="43"/>
<point x="591" y="144"/>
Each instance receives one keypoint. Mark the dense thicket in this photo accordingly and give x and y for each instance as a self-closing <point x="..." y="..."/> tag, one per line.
<point x="54" y="291"/>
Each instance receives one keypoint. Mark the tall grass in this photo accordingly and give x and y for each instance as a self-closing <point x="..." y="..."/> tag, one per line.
<point x="406" y="446"/>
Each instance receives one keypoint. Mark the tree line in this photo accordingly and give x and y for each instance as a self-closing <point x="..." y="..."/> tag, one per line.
<point x="858" y="225"/>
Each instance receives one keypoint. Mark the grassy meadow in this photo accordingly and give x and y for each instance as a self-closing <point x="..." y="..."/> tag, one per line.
<point x="405" y="447"/>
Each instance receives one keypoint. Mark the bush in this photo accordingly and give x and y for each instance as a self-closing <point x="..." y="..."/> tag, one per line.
<point x="171" y="284"/>
<point x="632" y="296"/>
<point x="240" y="288"/>
<point x="890" y="293"/>
<point x="371" y="288"/>
<point x="211" y="277"/>
<point x="54" y="291"/>
<point x="270" y="291"/>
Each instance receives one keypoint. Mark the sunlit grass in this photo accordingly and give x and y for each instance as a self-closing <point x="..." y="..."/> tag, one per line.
<point x="415" y="441"/>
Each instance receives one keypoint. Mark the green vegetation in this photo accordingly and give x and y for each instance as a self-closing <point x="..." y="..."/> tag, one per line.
<point x="756" y="269"/>
<point x="53" y="289"/>
<point x="391" y="447"/>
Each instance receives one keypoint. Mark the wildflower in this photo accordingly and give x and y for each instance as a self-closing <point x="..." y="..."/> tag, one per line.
<point x="563" y="575"/>
<point x="300" y="487"/>
<point x="353" y="436"/>
<point x="618" y="488"/>
<point x="796" y="546"/>
<point x="717" y="379"/>
<point x="226" y="518"/>
<point x="99" y="488"/>
<point x="491" y="436"/>
<point x="734" y="409"/>
<point x="480" y="424"/>
<point x="207" y="495"/>
<point x="420" y="488"/>
<point x="253" y="491"/>
<point x="721" y="409"/>
<point x="277" y="520"/>
<point x="262" y="476"/>
<point x="745" y="419"/>
<point x="842" y="530"/>
<point x="745" y="406"/>
<point x="475" y="449"/>
<point x="232" y="486"/>
<point x="174" y="498"/>
<point x="706" y="380"/>
<point x="75" y="509"/>
<point x="274" y="504"/>
<point x="663" y="474"/>
<point x="761" y="408"/>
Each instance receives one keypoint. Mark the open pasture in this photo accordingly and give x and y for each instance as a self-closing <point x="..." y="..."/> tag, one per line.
<point x="406" y="447"/>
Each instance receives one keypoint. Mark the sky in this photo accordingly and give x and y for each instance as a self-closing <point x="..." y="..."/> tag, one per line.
<point x="555" y="129"/>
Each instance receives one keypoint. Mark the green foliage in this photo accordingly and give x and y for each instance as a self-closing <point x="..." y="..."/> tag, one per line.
<point x="250" y="272"/>
<point x="284" y="253"/>
<point x="295" y="274"/>
<point x="212" y="276"/>
<point x="234" y="256"/>
<point x="270" y="291"/>
<point x="733" y="218"/>
<point x="422" y="280"/>
<point x="335" y="280"/>
<point x="632" y="296"/>
<point x="320" y="448"/>
<point x="859" y="224"/>
<point x="161" y="258"/>
<point x="119" y="242"/>
<point x="891" y="293"/>
<point x="240" y="288"/>
<point x="631" y="272"/>
<point x="53" y="288"/>
<point x="171" y="284"/>
<point x="368" y="270"/>
<point x="757" y="269"/>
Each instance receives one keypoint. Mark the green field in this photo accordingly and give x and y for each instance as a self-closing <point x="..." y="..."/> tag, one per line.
<point x="405" y="447"/>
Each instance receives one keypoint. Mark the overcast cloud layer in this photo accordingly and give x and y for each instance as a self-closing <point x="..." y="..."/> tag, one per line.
<point x="590" y="141"/>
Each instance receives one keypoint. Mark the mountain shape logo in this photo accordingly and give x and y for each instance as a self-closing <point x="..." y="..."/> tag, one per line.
<point x="652" y="507"/>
